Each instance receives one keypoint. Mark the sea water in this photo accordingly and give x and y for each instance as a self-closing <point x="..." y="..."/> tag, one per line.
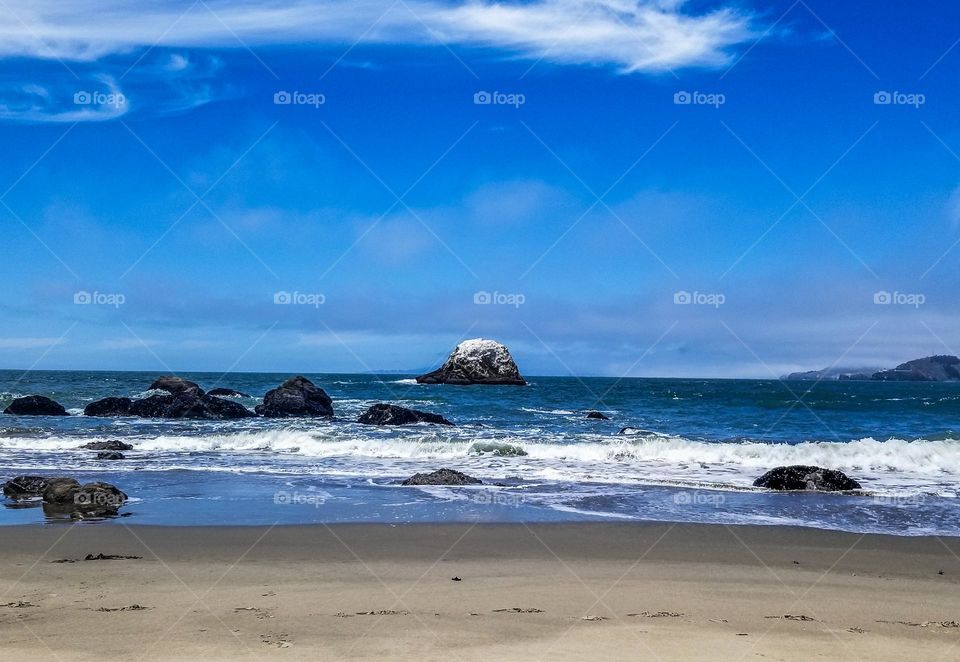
<point x="691" y="452"/>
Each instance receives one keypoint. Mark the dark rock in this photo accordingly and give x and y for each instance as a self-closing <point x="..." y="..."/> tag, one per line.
<point x="384" y="414"/>
<point x="297" y="396"/>
<point x="442" y="477"/>
<point x="598" y="415"/>
<point x="227" y="393"/>
<point x="110" y="455"/>
<point x="25" y="487"/>
<point x="188" y="405"/>
<point x="35" y="405"/>
<point x="802" y="477"/>
<point x="176" y="385"/>
<point x="476" y="361"/>
<point x="60" y="491"/>
<point x="108" y="407"/>
<point x="930" y="369"/>
<point x="109" y="445"/>
<point x="65" y="496"/>
<point x="151" y="407"/>
<point x="220" y="408"/>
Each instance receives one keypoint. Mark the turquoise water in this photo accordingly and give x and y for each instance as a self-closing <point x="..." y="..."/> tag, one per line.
<point x="692" y="451"/>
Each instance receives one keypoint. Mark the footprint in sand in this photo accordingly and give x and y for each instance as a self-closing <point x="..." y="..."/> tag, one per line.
<point x="519" y="610"/>
<point x="280" y="640"/>
<point x="793" y="617"/>
<point x="658" y="614"/>
<point x="261" y="614"/>
<point x="127" y="608"/>
<point x="383" y="612"/>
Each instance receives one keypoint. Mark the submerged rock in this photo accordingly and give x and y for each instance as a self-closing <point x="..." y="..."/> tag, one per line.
<point x="25" y="487"/>
<point x="803" y="477"/>
<point x="296" y="397"/>
<point x="476" y="361"/>
<point x="598" y="415"/>
<point x="35" y="405"/>
<point x="384" y="414"/>
<point x="226" y="393"/>
<point x="442" y="477"/>
<point x="176" y="385"/>
<point x="108" y="407"/>
<point x="110" y="455"/>
<point x="109" y="445"/>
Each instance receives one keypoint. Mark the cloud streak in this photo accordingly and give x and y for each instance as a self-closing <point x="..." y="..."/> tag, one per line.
<point x="632" y="35"/>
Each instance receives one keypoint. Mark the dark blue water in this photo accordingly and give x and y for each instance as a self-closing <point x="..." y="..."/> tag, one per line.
<point x="692" y="452"/>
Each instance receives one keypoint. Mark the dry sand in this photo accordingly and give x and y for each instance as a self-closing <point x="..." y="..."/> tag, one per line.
<point x="547" y="591"/>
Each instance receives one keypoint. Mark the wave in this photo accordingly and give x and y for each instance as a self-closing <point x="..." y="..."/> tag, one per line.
<point x="921" y="456"/>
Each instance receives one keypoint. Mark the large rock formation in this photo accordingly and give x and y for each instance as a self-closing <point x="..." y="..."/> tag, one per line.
<point x="442" y="477"/>
<point x="35" y="405"/>
<point x="188" y="405"/>
<point x="384" y="414"/>
<point x="296" y="397"/>
<point x="108" y="407"/>
<point x="176" y="385"/>
<point x="940" y="368"/>
<point x="476" y="361"/>
<point x="151" y="407"/>
<point x="803" y="477"/>
<point x="830" y="374"/>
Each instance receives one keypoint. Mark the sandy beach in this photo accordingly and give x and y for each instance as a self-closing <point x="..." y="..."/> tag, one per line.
<point x="472" y="592"/>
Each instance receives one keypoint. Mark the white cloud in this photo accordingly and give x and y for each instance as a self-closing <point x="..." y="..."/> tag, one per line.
<point x="634" y="35"/>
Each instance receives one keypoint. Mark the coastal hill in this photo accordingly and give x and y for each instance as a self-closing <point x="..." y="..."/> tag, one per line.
<point x="940" y="368"/>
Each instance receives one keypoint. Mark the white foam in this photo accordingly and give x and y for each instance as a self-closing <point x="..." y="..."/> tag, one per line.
<point x="894" y="466"/>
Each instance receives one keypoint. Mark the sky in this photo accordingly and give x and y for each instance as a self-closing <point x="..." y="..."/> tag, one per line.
<point x="609" y="187"/>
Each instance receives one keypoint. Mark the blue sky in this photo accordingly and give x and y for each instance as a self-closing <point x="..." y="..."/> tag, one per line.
<point x="147" y="163"/>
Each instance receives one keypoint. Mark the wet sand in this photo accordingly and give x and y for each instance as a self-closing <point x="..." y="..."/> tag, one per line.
<point x="544" y="591"/>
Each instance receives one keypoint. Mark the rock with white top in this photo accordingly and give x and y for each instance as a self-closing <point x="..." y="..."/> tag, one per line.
<point x="476" y="361"/>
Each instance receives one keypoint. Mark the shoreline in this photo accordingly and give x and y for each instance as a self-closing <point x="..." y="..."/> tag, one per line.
<point x="557" y="590"/>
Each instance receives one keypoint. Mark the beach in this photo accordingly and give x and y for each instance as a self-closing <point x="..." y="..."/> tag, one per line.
<point x="476" y="591"/>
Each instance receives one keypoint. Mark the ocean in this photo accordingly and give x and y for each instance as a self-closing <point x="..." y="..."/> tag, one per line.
<point x="691" y="452"/>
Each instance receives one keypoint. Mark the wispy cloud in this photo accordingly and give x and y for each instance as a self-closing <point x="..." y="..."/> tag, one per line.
<point x="633" y="35"/>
